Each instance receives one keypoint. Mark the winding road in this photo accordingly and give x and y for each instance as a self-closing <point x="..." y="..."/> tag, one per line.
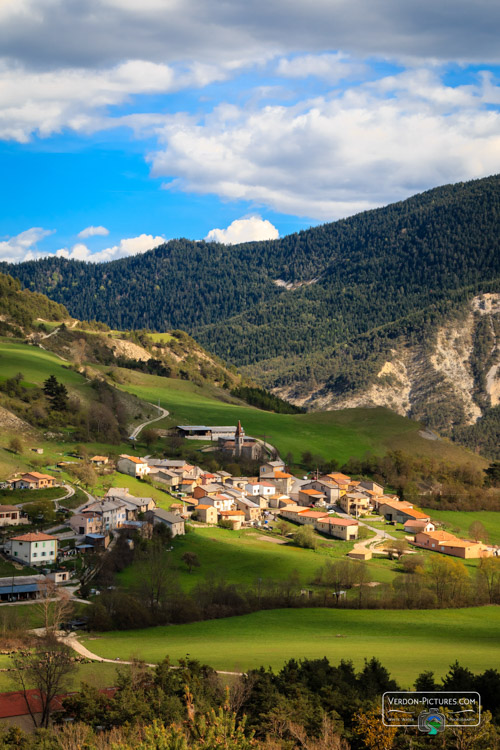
<point x="137" y="430"/>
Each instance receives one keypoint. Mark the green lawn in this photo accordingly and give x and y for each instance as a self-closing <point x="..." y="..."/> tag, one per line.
<point x="338" y="434"/>
<point x="461" y="520"/>
<point x="7" y="570"/>
<point x="406" y="642"/>
<point x="11" y="497"/>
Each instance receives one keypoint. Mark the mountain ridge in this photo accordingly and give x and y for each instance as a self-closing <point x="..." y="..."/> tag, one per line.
<point x="317" y="310"/>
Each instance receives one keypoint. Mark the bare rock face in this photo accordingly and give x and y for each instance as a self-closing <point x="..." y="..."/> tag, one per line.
<point x="129" y="350"/>
<point x="9" y="421"/>
<point x="449" y="380"/>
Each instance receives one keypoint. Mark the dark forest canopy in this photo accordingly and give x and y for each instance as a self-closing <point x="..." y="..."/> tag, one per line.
<point x="415" y="257"/>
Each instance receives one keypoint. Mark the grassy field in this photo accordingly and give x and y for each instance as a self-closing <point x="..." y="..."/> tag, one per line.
<point x="37" y="365"/>
<point x="96" y="674"/>
<point x="242" y="557"/>
<point x="461" y="520"/>
<point x="339" y="434"/>
<point x="400" y="639"/>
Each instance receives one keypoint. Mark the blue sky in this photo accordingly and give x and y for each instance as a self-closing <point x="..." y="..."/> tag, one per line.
<point x="125" y="123"/>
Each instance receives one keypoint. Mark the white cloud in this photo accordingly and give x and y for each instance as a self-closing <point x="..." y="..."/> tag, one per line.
<point x="46" y="102"/>
<point x="126" y="247"/>
<point x="252" y="229"/>
<point x="332" y="67"/>
<point x="22" y="246"/>
<point x="332" y="156"/>
<point x="93" y="232"/>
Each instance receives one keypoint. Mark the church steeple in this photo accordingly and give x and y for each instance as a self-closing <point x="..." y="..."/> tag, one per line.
<point x="239" y="437"/>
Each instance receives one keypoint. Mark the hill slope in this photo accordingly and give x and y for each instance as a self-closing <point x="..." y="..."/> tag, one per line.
<point x="319" y="314"/>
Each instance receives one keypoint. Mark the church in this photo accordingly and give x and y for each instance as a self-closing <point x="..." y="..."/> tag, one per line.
<point x="242" y="446"/>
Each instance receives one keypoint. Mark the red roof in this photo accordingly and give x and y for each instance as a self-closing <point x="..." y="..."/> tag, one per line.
<point x="33" y="536"/>
<point x="312" y="514"/>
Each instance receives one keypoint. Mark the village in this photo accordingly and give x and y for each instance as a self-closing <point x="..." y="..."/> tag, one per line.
<point x="334" y="505"/>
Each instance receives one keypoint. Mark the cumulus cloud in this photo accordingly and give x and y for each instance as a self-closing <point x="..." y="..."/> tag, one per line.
<point x="23" y="246"/>
<point x="331" y="156"/>
<point x="252" y="229"/>
<point x="129" y="246"/>
<point x="93" y="232"/>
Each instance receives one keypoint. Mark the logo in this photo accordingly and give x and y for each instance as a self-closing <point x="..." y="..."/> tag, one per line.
<point x="431" y="722"/>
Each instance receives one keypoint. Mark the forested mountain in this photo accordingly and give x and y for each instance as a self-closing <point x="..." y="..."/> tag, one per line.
<point x="19" y="308"/>
<point x="315" y="314"/>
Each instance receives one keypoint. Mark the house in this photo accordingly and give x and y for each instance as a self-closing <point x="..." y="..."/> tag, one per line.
<point x="413" y="527"/>
<point x="448" y="544"/>
<point x="99" y="460"/>
<point x="219" y="501"/>
<point x="10" y="515"/>
<point x="34" y="548"/>
<point x="309" y="517"/>
<point x="33" y="480"/>
<point x="98" y="541"/>
<point x="134" y="467"/>
<point x="171" y="520"/>
<point x="261" y="487"/>
<point x="86" y="522"/>
<point x="283" y="481"/>
<point x="401" y="511"/>
<point x="134" y="505"/>
<point x="112" y="511"/>
<point x="341" y="480"/>
<point x="167" y="476"/>
<point x="292" y="513"/>
<point x="268" y="469"/>
<point x="368" y="484"/>
<point x="328" y="487"/>
<point x="355" y="503"/>
<point x="207" y="513"/>
<point x="188" y="485"/>
<point x="207" y="490"/>
<point x="311" y="497"/>
<point x="340" y="528"/>
<point x="235" y="516"/>
<point x="278" y="500"/>
<point x="251" y="509"/>
<point x="59" y="576"/>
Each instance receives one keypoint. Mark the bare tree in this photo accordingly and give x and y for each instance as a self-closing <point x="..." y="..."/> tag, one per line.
<point x="54" y="605"/>
<point x="45" y="667"/>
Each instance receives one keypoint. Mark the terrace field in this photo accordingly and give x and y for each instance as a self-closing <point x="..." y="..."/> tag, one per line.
<point x="406" y="642"/>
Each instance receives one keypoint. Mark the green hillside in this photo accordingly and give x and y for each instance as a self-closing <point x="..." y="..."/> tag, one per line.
<point x="397" y="638"/>
<point x="333" y="434"/>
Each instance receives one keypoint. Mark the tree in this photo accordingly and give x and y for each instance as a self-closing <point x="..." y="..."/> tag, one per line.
<point x="282" y="527"/>
<point x="45" y="667"/>
<point x="426" y="682"/>
<point x="412" y="563"/>
<point x="16" y="444"/>
<point x="150" y="436"/>
<point x="397" y="548"/>
<point x="56" y="393"/>
<point x="191" y="560"/>
<point x="370" y="728"/>
<point x="305" y="537"/>
<point x="85" y="473"/>
<point x="54" y="605"/>
<point x="488" y="574"/>
<point x="339" y="574"/>
<point x="449" y="579"/>
<point x="478" y="532"/>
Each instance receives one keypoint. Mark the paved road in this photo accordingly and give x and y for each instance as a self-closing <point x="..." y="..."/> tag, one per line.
<point x="137" y="430"/>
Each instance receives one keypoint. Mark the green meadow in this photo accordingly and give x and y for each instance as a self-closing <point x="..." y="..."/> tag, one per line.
<point x="339" y="434"/>
<point x="459" y="521"/>
<point x="406" y="642"/>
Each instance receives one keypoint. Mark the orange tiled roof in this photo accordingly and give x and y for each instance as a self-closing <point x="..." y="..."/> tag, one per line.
<point x="33" y="536"/>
